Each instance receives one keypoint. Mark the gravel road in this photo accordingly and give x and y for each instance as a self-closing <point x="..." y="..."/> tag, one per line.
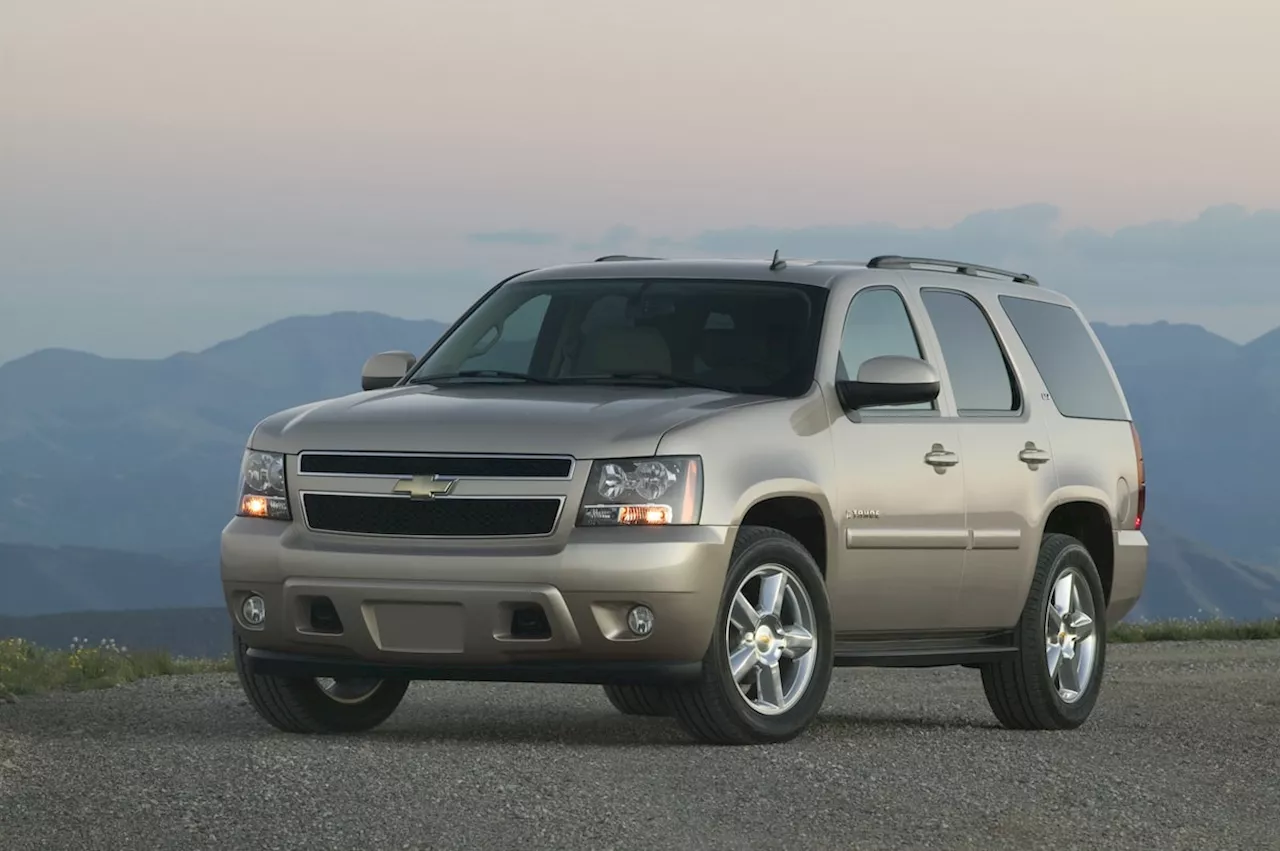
<point x="1183" y="751"/>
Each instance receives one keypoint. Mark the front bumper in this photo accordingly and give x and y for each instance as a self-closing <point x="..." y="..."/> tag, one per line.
<point x="445" y="611"/>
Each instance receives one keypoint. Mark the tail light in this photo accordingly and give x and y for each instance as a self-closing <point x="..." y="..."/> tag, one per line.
<point x="1142" y="478"/>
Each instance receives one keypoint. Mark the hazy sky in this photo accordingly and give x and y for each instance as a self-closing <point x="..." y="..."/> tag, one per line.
<point x="176" y="172"/>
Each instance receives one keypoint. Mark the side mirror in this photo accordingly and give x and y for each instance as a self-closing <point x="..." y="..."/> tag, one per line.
<point x="385" y="369"/>
<point x="889" y="380"/>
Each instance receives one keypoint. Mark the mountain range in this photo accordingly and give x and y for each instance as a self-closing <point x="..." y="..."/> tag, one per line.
<point x="116" y="476"/>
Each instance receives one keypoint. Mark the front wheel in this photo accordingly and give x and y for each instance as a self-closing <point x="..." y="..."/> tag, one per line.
<point x="766" y="673"/>
<point x="646" y="700"/>
<point x="303" y="705"/>
<point x="1053" y="681"/>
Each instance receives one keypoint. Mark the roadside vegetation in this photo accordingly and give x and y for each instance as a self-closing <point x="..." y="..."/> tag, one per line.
<point x="27" y="668"/>
<point x="1194" y="630"/>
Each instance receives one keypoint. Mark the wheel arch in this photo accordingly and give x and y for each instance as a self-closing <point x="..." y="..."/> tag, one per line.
<point x="1085" y="515"/>
<point x="797" y="507"/>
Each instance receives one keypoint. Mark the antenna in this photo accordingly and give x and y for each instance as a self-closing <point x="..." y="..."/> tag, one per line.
<point x="778" y="262"/>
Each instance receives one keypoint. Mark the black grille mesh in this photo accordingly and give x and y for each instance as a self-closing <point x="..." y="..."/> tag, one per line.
<point x="445" y="517"/>
<point x="447" y="466"/>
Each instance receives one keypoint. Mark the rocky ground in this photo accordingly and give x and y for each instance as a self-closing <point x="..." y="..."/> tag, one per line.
<point x="1182" y="752"/>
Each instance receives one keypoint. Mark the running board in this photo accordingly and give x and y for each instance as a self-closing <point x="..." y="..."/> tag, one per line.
<point x="931" y="652"/>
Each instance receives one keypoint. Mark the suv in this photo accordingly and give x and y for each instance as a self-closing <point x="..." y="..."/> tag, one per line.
<point x="702" y="485"/>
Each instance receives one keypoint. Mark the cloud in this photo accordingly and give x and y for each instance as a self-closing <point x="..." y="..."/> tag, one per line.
<point x="1003" y="233"/>
<point x="1223" y="235"/>
<point x="1226" y="234"/>
<point x="616" y="238"/>
<point x="515" y="237"/>
<point x="1226" y="257"/>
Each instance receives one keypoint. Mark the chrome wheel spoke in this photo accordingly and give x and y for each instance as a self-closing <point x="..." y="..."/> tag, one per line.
<point x="1055" y="620"/>
<point x="743" y="615"/>
<point x="797" y="642"/>
<point x="1055" y="660"/>
<point x="1069" y="676"/>
<point x="769" y="684"/>
<point x="1081" y="625"/>
<point x="741" y="661"/>
<point x="1084" y="662"/>
<point x="350" y="691"/>
<point x="773" y="589"/>
<point x="1062" y="594"/>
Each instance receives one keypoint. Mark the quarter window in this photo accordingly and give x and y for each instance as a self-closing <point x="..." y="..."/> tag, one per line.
<point x="981" y="378"/>
<point x="877" y="324"/>
<point x="1066" y="357"/>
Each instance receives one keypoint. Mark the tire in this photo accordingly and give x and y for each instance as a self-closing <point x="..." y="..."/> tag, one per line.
<point x="302" y="705"/>
<point x="637" y="699"/>
<point x="714" y="709"/>
<point x="1020" y="690"/>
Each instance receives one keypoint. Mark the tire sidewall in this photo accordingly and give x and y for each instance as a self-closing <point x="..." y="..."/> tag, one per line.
<point x="1072" y="555"/>
<point x="779" y="549"/>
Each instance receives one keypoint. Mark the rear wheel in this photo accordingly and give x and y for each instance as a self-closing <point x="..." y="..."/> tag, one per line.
<point x="637" y="699"/>
<point x="766" y="673"/>
<point x="1053" y="681"/>
<point x="305" y="705"/>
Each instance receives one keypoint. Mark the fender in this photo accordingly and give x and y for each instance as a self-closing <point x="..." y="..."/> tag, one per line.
<point x="767" y="489"/>
<point x="1061" y="496"/>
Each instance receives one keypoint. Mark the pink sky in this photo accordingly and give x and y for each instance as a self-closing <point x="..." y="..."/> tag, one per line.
<point x="169" y="138"/>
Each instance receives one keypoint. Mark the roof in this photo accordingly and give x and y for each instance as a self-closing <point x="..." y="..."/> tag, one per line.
<point x="794" y="272"/>
<point x="821" y="273"/>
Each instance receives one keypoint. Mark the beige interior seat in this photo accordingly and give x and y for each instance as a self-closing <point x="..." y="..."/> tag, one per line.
<point x="624" y="350"/>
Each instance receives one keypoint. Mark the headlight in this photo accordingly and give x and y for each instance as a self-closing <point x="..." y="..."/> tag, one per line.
<point x="643" y="492"/>
<point x="263" y="492"/>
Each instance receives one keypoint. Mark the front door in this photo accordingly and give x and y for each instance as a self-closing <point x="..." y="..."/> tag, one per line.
<point x="1009" y="470"/>
<point x="900" y="490"/>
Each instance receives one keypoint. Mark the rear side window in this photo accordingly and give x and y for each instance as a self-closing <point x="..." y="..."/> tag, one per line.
<point x="1066" y="358"/>
<point x="980" y="375"/>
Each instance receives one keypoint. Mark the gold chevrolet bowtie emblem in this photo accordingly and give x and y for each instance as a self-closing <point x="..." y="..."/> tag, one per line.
<point x="424" y="487"/>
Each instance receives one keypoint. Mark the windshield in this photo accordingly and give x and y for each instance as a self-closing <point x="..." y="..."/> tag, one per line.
<point x="736" y="336"/>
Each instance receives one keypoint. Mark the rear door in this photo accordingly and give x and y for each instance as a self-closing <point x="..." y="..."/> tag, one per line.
<point x="900" y="487"/>
<point x="1009" y="471"/>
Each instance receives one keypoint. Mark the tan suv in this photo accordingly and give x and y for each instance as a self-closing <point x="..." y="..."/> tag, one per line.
<point x="701" y="485"/>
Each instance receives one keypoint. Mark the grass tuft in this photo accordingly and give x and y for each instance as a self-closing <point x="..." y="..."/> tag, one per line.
<point x="27" y="668"/>
<point x="1137" y="632"/>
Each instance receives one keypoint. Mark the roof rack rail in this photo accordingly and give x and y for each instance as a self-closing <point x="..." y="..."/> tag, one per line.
<point x="610" y="257"/>
<point x="893" y="261"/>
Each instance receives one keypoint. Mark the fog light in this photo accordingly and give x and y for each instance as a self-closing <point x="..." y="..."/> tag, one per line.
<point x="640" y="620"/>
<point x="254" y="610"/>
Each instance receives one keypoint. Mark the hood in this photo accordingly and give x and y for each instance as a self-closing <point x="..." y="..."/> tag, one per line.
<point x="583" y="421"/>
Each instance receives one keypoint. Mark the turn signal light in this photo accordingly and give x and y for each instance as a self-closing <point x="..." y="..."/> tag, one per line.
<point x="252" y="505"/>
<point x="645" y="515"/>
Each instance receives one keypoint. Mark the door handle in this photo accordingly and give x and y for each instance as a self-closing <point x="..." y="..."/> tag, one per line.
<point x="939" y="457"/>
<point x="1033" y="456"/>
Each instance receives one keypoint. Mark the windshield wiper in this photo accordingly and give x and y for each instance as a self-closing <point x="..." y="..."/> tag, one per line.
<point x="482" y="373"/>
<point x="653" y="377"/>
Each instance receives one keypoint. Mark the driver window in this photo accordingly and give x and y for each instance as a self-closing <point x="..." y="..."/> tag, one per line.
<point x="510" y="346"/>
<point x="877" y="324"/>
